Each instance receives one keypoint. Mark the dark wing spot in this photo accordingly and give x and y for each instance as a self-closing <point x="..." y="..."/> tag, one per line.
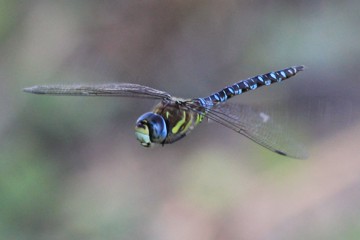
<point x="281" y="153"/>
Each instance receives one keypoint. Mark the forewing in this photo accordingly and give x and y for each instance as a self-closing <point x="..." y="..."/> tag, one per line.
<point x="257" y="126"/>
<point x="113" y="90"/>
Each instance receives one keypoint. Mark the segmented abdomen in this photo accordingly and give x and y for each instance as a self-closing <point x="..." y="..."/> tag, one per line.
<point x="249" y="84"/>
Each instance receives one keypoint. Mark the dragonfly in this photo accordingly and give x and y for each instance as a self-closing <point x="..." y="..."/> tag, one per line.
<point x="173" y="118"/>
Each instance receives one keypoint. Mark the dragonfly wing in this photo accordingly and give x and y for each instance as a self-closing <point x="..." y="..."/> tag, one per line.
<point x="114" y="90"/>
<point x="257" y="126"/>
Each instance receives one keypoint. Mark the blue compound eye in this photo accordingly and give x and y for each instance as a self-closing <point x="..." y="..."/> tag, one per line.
<point x="150" y="128"/>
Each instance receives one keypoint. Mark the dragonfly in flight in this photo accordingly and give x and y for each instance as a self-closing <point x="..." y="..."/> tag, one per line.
<point x="173" y="118"/>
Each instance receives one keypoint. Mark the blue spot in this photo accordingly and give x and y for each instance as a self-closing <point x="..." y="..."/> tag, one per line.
<point x="208" y="102"/>
<point x="216" y="96"/>
<point x="273" y="75"/>
<point x="267" y="82"/>
<point x="202" y="101"/>
<point x="260" y="79"/>
<point x="252" y="87"/>
<point x="283" y="74"/>
<point x="237" y="89"/>
<point x="225" y="96"/>
<point x="231" y="90"/>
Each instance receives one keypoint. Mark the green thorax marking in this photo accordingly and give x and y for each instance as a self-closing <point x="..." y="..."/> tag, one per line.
<point x="180" y="121"/>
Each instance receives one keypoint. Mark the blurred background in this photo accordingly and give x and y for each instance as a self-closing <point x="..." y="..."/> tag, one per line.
<point x="71" y="168"/>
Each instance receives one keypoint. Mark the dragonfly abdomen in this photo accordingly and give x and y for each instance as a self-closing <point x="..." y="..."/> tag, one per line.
<point x="250" y="84"/>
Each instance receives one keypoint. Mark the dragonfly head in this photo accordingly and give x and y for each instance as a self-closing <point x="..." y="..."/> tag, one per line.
<point x="150" y="128"/>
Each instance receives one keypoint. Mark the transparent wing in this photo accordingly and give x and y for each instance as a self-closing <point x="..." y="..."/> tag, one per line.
<point x="114" y="90"/>
<point x="256" y="125"/>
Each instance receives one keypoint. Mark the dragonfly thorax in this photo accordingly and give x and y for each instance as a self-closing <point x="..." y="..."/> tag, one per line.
<point x="150" y="128"/>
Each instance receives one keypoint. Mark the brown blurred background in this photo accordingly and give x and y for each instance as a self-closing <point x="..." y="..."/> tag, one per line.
<point x="71" y="168"/>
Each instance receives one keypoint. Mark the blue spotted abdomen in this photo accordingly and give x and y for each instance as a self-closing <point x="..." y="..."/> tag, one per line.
<point x="249" y="84"/>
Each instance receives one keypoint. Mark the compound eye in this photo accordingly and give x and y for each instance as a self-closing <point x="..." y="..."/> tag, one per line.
<point x="150" y="128"/>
